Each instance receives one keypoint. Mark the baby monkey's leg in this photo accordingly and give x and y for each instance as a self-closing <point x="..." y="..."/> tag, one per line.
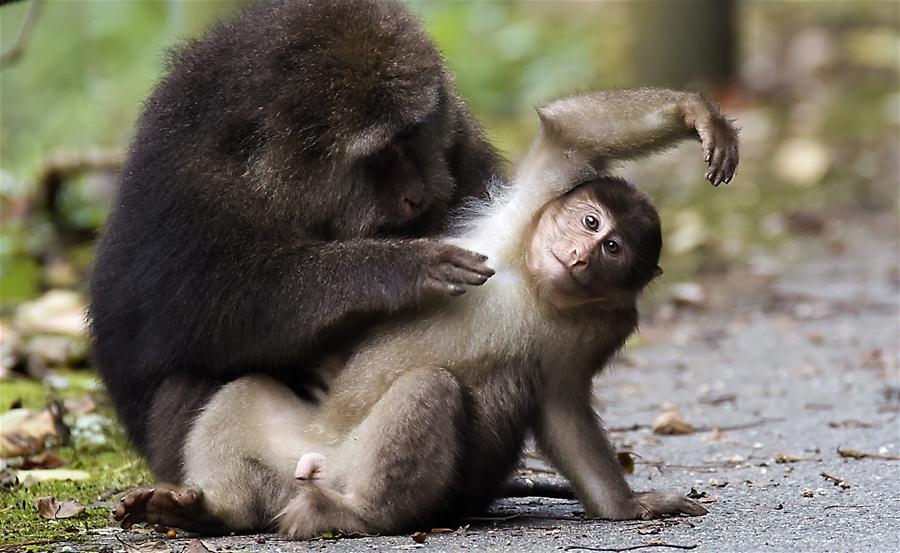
<point x="392" y="471"/>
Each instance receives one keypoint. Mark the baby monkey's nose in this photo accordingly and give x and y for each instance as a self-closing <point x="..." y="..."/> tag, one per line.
<point x="578" y="259"/>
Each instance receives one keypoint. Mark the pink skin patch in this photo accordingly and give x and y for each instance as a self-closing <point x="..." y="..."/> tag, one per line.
<point x="309" y="467"/>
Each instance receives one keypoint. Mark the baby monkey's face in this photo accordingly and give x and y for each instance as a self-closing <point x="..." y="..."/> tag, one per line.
<point x="579" y="253"/>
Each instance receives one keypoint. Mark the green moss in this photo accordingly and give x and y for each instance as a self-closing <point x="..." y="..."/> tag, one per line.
<point x="115" y="469"/>
<point x="113" y="466"/>
<point x="22" y="524"/>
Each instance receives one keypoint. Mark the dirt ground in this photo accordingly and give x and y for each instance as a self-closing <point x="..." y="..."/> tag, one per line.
<point x="779" y="368"/>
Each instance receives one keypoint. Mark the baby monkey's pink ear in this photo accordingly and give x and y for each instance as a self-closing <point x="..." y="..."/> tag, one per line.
<point x="658" y="272"/>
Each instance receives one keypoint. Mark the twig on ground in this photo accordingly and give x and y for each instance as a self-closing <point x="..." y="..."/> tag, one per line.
<point x="632" y="547"/>
<point x="493" y="519"/>
<point x="713" y="428"/>
<point x="662" y="464"/>
<point x="742" y="426"/>
<point x="854" y="454"/>
<point x="837" y="481"/>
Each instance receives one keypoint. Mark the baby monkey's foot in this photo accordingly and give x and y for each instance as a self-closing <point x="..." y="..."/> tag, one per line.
<point x="655" y="504"/>
<point x="310" y="467"/>
<point x="168" y="507"/>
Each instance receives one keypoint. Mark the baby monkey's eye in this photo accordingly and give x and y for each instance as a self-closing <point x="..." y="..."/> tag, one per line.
<point x="591" y="222"/>
<point x="612" y="247"/>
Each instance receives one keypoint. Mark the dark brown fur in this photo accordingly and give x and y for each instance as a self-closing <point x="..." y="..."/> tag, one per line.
<point x="268" y="204"/>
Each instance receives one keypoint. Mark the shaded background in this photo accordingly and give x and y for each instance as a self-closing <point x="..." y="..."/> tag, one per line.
<point x="813" y="85"/>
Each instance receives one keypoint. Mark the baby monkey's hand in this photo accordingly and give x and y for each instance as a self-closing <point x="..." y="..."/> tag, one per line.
<point x="446" y="269"/>
<point x="718" y="137"/>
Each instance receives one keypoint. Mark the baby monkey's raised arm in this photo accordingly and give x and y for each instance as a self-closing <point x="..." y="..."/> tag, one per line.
<point x="590" y="131"/>
<point x="426" y="418"/>
<point x="581" y="137"/>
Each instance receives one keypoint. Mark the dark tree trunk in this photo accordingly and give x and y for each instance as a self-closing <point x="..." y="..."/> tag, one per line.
<point x="684" y="43"/>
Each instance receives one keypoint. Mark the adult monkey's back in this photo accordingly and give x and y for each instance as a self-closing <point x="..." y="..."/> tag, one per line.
<point x="271" y="205"/>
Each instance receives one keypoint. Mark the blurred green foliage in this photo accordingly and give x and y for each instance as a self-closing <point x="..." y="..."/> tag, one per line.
<point x="822" y="73"/>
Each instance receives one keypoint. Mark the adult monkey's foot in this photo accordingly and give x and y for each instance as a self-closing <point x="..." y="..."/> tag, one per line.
<point x="168" y="506"/>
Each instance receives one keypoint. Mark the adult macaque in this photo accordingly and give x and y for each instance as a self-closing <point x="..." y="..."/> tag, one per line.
<point x="273" y="205"/>
<point x="425" y="419"/>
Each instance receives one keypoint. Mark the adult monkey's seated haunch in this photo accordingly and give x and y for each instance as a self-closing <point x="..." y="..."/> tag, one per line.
<point x="425" y="419"/>
<point x="277" y="199"/>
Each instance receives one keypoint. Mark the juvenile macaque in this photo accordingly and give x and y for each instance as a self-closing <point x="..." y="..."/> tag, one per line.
<point x="425" y="419"/>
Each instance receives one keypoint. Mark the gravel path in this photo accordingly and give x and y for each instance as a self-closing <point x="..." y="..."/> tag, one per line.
<point x="798" y="357"/>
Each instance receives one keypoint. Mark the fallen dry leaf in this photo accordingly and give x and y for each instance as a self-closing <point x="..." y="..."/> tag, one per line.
<point x="197" y="546"/>
<point x="51" y="509"/>
<point x="671" y="423"/>
<point x="626" y="459"/>
<point x="46" y="460"/>
<point x="26" y="432"/>
<point x="419" y="537"/>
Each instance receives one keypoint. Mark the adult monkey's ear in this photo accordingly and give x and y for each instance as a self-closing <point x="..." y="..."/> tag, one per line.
<point x="658" y="272"/>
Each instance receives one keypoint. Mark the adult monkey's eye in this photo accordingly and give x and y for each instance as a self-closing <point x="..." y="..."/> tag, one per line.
<point x="612" y="247"/>
<point x="591" y="222"/>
